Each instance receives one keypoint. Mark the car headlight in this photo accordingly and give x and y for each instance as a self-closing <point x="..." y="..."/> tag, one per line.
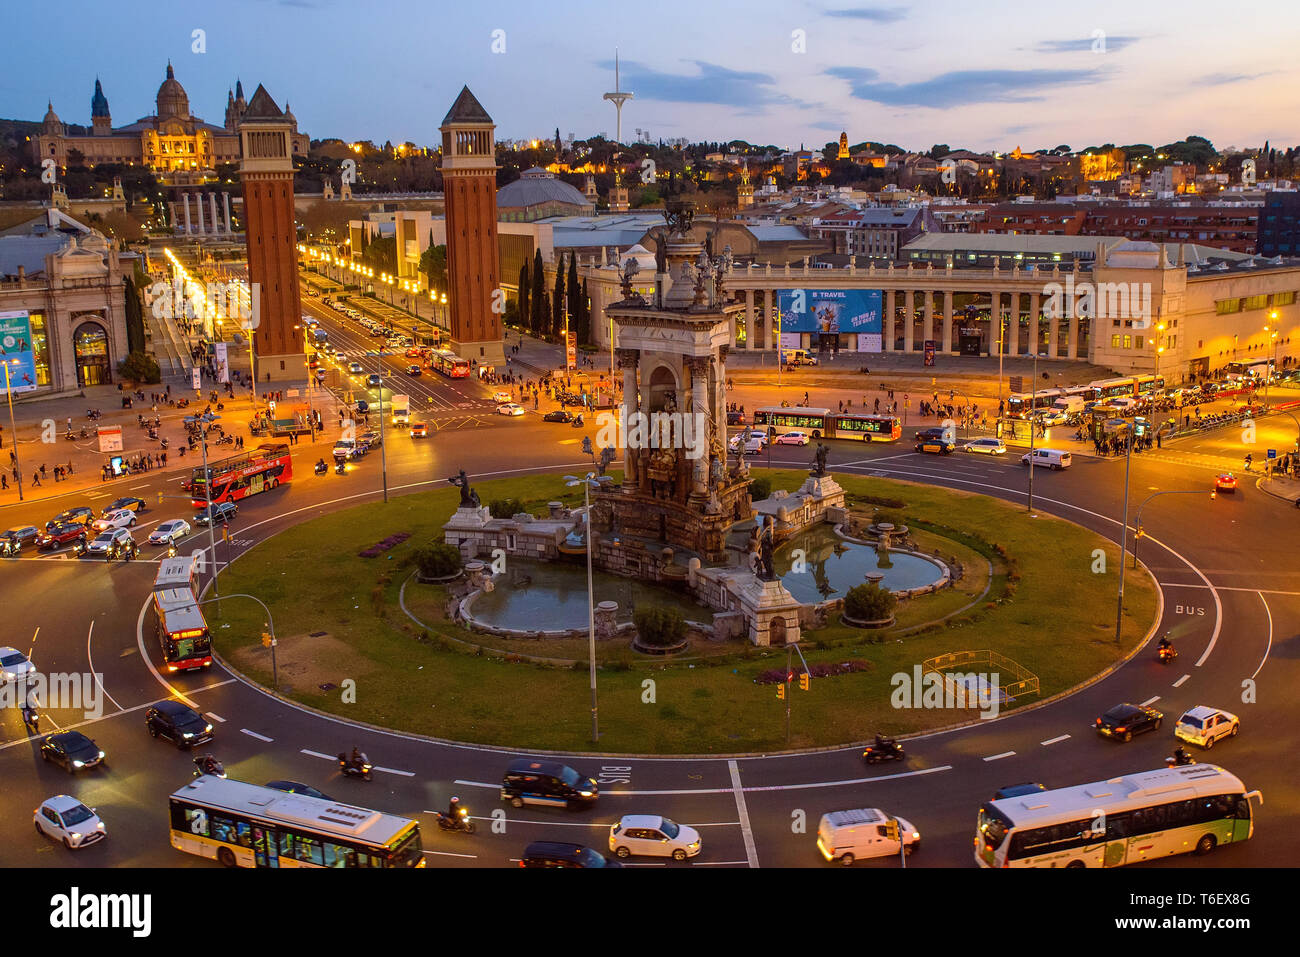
<point x="187" y="734"/>
<point x="585" y="794"/>
<point x="78" y="764"/>
<point x="74" y="839"/>
<point x="102" y="754"/>
<point x="99" y="825"/>
<point x="208" y="728"/>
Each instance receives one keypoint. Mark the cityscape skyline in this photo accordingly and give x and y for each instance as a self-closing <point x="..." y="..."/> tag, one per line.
<point x="1028" y="82"/>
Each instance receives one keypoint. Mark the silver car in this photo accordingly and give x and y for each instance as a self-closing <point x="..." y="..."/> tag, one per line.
<point x="169" y="531"/>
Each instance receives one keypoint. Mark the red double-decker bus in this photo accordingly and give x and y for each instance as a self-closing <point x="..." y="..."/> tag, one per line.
<point x="449" y="364"/>
<point x="240" y="476"/>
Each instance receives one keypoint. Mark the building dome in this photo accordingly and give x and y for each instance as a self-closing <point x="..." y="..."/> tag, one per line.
<point x="536" y="186"/>
<point x="52" y="123"/>
<point x="172" y="100"/>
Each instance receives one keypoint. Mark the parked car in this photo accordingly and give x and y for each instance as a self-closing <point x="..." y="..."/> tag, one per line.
<point x="650" y="835"/>
<point x="221" y="512"/>
<point x="1204" y="725"/>
<point x="60" y="535"/>
<point x="66" y="819"/>
<point x="559" y="415"/>
<point x="72" y="750"/>
<point x="178" y="723"/>
<point x="1125" y="720"/>
<point x="169" y="531"/>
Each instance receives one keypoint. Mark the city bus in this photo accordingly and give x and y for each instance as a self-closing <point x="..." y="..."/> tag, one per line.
<point x="243" y="825"/>
<point x="240" y="476"/>
<point x="1020" y="403"/>
<point x="777" y="420"/>
<point x="446" y="362"/>
<point x="818" y="423"/>
<point x="868" y="428"/>
<point x="182" y="630"/>
<point x="1136" y="817"/>
<point x="1258" y="369"/>
<point x="1142" y="386"/>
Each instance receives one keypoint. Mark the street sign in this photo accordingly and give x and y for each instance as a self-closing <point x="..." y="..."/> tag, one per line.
<point x="1016" y="383"/>
<point x="1272" y="453"/>
<point x="110" y="438"/>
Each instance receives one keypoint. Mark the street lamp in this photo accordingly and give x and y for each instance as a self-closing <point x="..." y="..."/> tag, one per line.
<point x="1123" y="528"/>
<point x="590" y="481"/>
<point x="1269" y="369"/>
<point x="13" y="430"/>
<point x="202" y="423"/>
<point x="1137" y="525"/>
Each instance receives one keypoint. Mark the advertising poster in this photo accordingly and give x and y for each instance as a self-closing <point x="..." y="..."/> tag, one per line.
<point x="830" y="312"/>
<point x="110" y="438"/>
<point x="16" y="352"/>
<point x="196" y="382"/>
<point x="571" y="351"/>
<point x="222" y="359"/>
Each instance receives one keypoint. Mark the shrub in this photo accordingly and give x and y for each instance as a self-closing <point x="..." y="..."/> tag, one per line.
<point x="140" y="367"/>
<point x="505" y="507"/>
<point x="869" y="602"/>
<point x="760" y="488"/>
<point x="437" y="560"/>
<point x="659" y="626"/>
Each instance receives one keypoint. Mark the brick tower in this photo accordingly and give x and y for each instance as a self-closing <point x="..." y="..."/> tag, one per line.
<point x="266" y="170"/>
<point x="469" y="187"/>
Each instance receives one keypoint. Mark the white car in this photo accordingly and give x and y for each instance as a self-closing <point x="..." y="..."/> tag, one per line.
<point x="66" y="819"/>
<point x="986" y="446"/>
<point x="754" y="446"/>
<point x="847" y="836"/>
<point x="109" y="541"/>
<point x="509" y="408"/>
<point x="650" y="835"/>
<point x="13" y="664"/>
<point x="791" y="438"/>
<point x="503" y="397"/>
<point x="122" y="518"/>
<point x="169" y="531"/>
<point x="1203" y="726"/>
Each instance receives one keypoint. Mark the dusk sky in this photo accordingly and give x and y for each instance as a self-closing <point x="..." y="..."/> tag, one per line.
<point x="979" y="75"/>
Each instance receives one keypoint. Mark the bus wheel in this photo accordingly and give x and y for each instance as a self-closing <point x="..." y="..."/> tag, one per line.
<point x="816" y="434"/>
<point x="226" y="856"/>
<point x="1206" y="844"/>
<point x="847" y="860"/>
<point x="1075" y="864"/>
<point x="517" y="802"/>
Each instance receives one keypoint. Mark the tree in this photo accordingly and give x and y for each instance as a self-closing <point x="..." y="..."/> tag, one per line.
<point x="539" y="315"/>
<point x="433" y="263"/>
<point x="659" y="626"/>
<point x="938" y="150"/>
<point x="575" y="299"/>
<point x="140" y="367"/>
<point x="869" y="602"/>
<point x="523" y="314"/>
<point x="584" y="310"/>
<point x="557" y="302"/>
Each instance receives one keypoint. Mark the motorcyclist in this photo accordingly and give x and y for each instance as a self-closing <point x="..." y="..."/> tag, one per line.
<point x="1181" y="756"/>
<point x="359" y="760"/>
<point x="1164" y="643"/>
<point x="884" y="743"/>
<point x="320" y="465"/>
<point x="208" y="764"/>
<point x="453" y="809"/>
<point x="30" y="716"/>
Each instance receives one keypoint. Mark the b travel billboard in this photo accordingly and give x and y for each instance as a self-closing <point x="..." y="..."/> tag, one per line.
<point x="832" y="311"/>
<point x="16" y="352"/>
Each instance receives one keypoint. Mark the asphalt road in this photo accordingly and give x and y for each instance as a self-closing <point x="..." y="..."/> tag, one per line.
<point x="1227" y="571"/>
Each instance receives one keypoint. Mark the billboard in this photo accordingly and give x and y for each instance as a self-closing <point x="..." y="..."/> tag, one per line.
<point x="833" y="311"/>
<point x="16" y="351"/>
<point x="221" y="357"/>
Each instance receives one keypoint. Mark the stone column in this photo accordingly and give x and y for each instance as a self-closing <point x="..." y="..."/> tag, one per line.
<point x="947" y="323"/>
<point x="1013" y="326"/>
<point x="198" y="204"/>
<point x="1035" y="323"/>
<point x="188" y="228"/>
<point x="627" y="361"/>
<point x="225" y="202"/>
<point x="927" y="331"/>
<point x="212" y="206"/>
<point x="909" y="317"/>
<point x="889" y="320"/>
<point x="1072" y="347"/>
<point x="698" y="367"/>
<point x="995" y="323"/>
<point x="749" y="320"/>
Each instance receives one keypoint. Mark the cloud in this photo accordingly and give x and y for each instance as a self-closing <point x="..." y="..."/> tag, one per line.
<point x="1223" y="79"/>
<point x="874" y="14"/>
<point x="714" y="84"/>
<point x="1085" y="44"/>
<point x="960" y="87"/>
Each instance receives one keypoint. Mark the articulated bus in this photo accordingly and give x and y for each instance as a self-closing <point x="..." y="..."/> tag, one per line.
<point x="243" y="825"/>
<point x="1133" y="387"/>
<point x="446" y="362"/>
<point x="240" y="476"/>
<point x="1019" y="403"/>
<point x="1136" y="817"/>
<point x="182" y="630"/>
<point x="819" y="423"/>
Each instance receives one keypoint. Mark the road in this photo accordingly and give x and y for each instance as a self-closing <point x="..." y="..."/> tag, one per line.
<point x="1226" y="569"/>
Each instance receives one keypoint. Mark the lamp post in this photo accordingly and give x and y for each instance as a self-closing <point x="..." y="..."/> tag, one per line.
<point x="1272" y="366"/>
<point x="270" y="625"/>
<point x="1033" y="408"/>
<point x="13" y="430"/>
<point x="202" y="422"/>
<point x="383" y="450"/>
<point x="1123" y="530"/>
<point x="1137" y="531"/>
<point x="590" y="481"/>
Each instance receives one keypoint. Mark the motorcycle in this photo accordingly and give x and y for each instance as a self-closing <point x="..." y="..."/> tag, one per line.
<point x="31" y="719"/>
<point x="885" y="749"/>
<point x="69" y="436"/>
<point x="163" y="442"/>
<point x="460" y="822"/>
<point x="341" y="468"/>
<point x="1166" y="654"/>
<point x="1179" y="758"/>
<point x="208" y="765"/>
<point x="321" y="468"/>
<point x="361" y="770"/>
<point x="577" y="422"/>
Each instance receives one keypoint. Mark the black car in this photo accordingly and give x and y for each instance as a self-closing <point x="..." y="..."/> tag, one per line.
<point x="83" y="514"/>
<point x="935" y="446"/>
<point x="930" y="434"/>
<point x="73" y="750"/>
<point x="1018" y="790"/>
<point x="362" y="406"/>
<point x="181" y="725"/>
<point x="297" y="787"/>
<point x="559" y="415"/>
<point x="556" y="854"/>
<point x="735" y="417"/>
<point x="221" y="512"/>
<point x="129" y="503"/>
<point x="548" y="783"/>
<point x="1125" y="720"/>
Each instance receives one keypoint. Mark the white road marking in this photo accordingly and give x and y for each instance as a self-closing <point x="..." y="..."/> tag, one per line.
<point x="717" y="863"/>
<point x="1150" y="701"/>
<point x="998" y="757"/>
<point x="254" y="734"/>
<point x="1056" y="740"/>
<point x="373" y="767"/>
<point x="756" y="790"/>
<point x="1270" y="636"/>
<point x="751" y="852"/>
<point x="450" y="854"/>
<point x="317" y="754"/>
<point x="136" y="488"/>
<point x="1179" y="682"/>
<point x="91" y="662"/>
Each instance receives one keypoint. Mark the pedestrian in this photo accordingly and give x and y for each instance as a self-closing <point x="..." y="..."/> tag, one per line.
<point x="36" y="480"/>
<point x="68" y="470"/>
<point x="4" y="482"/>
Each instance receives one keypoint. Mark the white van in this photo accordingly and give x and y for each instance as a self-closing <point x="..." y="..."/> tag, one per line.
<point x="1123" y="403"/>
<point x="845" y="836"/>
<point x="1048" y="458"/>
<point x="799" y="357"/>
<point x="1069" y="404"/>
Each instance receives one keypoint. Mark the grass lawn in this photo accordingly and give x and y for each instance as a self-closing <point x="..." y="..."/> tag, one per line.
<point x="1057" y="621"/>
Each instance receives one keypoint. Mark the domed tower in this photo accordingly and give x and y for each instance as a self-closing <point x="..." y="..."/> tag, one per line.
<point x="844" y="146"/>
<point x="101" y="120"/>
<point x="172" y="99"/>
<point x="52" y="125"/>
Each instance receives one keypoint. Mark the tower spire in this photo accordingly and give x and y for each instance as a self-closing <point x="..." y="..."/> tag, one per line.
<point x="618" y="97"/>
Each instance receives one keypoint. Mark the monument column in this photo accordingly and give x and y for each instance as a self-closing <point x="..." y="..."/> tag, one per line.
<point x="947" y="322"/>
<point x="749" y="319"/>
<point x="698" y="367"/>
<point x="188" y="228"/>
<point x="225" y="201"/>
<point x="890" y="316"/>
<point x="996" y="345"/>
<point x="212" y="207"/>
<point x="198" y="204"/>
<point x="627" y="361"/>
<point x="1035" y="323"/>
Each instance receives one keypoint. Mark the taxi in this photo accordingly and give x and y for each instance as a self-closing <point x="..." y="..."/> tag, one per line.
<point x="935" y="446"/>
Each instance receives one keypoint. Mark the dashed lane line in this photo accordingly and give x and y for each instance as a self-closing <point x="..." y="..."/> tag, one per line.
<point x="254" y="734"/>
<point x="373" y="767"/>
<point x="999" y="757"/>
<point x="216" y="717"/>
<point x="1150" y="701"/>
<point x="1179" y="682"/>
<point x="1056" y="740"/>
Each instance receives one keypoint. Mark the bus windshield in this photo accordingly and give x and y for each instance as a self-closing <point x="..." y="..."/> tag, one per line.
<point x="406" y="849"/>
<point x="993" y="826"/>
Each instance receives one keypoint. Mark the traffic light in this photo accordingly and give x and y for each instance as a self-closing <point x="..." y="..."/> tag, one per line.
<point x="780" y="691"/>
<point x="160" y="498"/>
<point x="266" y="639"/>
<point x="805" y="682"/>
<point x="891" y="829"/>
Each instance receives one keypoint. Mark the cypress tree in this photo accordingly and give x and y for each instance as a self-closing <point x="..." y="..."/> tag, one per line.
<point x="571" y="286"/>
<point x="584" y="310"/>
<point x="524" y="316"/>
<point x="539" y="318"/>
<point x="557" y="299"/>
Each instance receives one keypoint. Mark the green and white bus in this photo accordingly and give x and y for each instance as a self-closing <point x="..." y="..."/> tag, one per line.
<point x="243" y="825"/>
<point x="1136" y="817"/>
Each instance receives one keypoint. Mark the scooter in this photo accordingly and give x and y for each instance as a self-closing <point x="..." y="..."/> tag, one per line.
<point x="69" y="436"/>
<point x="460" y="822"/>
<point x="1179" y="758"/>
<point x="351" y="770"/>
<point x="885" y="749"/>
<point x="1166" y="654"/>
<point x="202" y="767"/>
<point x="321" y="468"/>
<point x="341" y="468"/>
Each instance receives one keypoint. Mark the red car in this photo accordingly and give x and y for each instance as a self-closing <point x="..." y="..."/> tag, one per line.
<point x="1227" y="482"/>
<point x="60" y="535"/>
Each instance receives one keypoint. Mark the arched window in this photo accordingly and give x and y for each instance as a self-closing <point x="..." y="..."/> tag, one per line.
<point x="90" y="346"/>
